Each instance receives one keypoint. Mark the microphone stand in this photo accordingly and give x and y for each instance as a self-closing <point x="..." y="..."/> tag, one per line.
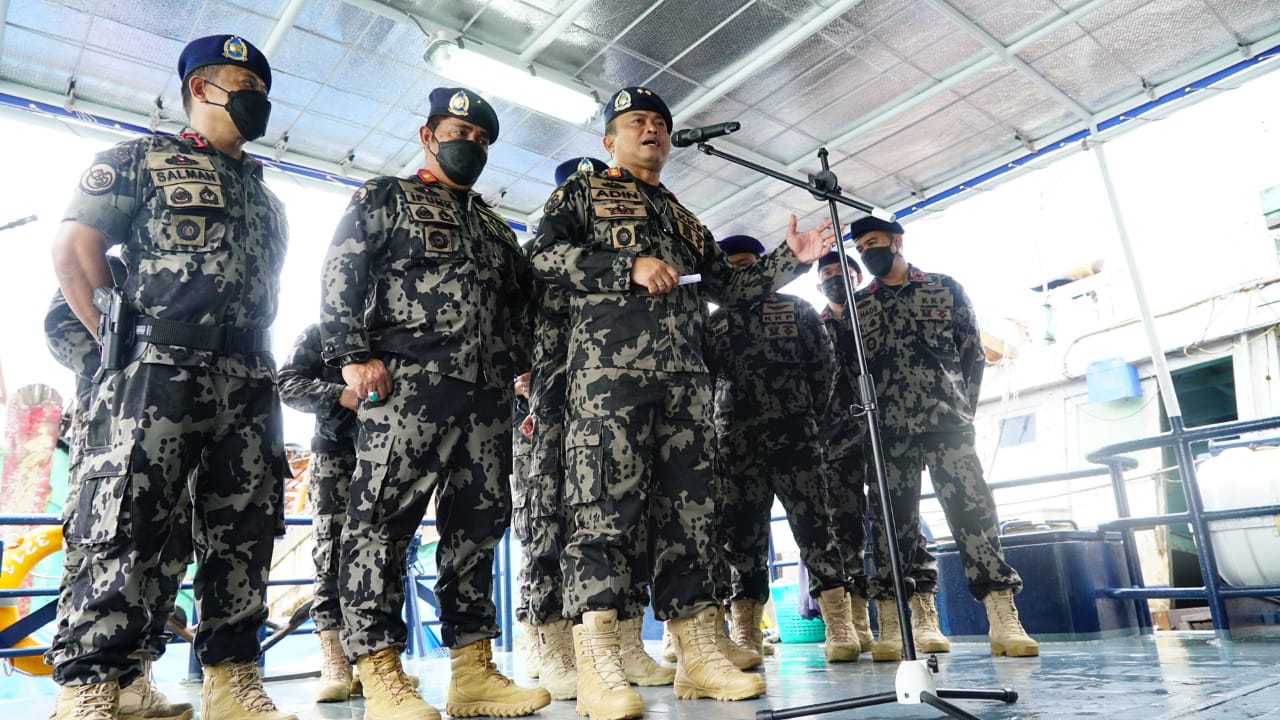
<point x="914" y="683"/>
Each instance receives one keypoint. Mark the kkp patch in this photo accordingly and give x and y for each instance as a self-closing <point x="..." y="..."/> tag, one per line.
<point x="460" y="103"/>
<point x="622" y="101"/>
<point x="98" y="179"/>
<point x="235" y="49"/>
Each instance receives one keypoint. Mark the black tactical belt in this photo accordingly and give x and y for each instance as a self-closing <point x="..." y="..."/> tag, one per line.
<point x="222" y="340"/>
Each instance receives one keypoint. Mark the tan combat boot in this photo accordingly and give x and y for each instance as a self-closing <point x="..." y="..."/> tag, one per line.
<point x="641" y="669"/>
<point x="97" y="701"/>
<point x="842" y="644"/>
<point x="233" y="691"/>
<point x="142" y="700"/>
<point x="477" y="688"/>
<point x="603" y="691"/>
<point x="533" y="656"/>
<point x="861" y="622"/>
<point x="742" y="658"/>
<point x="889" y="647"/>
<point x="668" y="649"/>
<point x="925" y="628"/>
<point x="335" y="672"/>
<point x="357" y="687"/>
<point x="559" y="670"/>
<point x="702" y="670"/>
<point x="1006" y="635"/>
<point x="387" y="692"/>
<point x="744" y="623"/>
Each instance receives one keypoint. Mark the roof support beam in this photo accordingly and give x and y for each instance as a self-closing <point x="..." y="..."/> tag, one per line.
<point x="922" y="97"/>
<point x="775" y="47"/>
<point x="288" y="16"/>
<point x="1000" y="51"/>
<point x="548" y="34"/>
<point x="4" y="13"/>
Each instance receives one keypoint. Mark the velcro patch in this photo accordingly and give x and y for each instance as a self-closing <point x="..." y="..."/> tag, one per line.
<point x="188" y="231"/>
<point x="98" y="179"/>
<point x="187" y="195"/>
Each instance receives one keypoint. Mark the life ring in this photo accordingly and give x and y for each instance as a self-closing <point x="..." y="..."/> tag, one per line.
<point x="19" y="559"/>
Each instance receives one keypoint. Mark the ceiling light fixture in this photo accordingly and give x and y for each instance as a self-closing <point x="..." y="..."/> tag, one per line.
<point x="489" y="76"/>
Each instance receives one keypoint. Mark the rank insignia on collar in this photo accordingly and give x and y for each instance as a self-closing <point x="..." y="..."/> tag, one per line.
<point x="622" y="101"/>
<point x="426" y="177"/>
<point x="235" y="49"/>
<point x="460" y="103"/>
<point x="195" y="140"/>
<point x="917" y="275"/>
<point x="614" y="172"/>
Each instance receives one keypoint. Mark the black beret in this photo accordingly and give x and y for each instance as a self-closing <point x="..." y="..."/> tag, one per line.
<point x="223" y="50"/>
<point x="833" y="258"/>
<point x="735" y="244"/>
<point x="871" y="223"/>
<point x="586" y="164"/>
<point x="467" y="105"/>
<point x="636" y="98"/>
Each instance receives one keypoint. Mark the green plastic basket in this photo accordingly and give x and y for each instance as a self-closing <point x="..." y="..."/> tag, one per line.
<point x="791" y="627"/>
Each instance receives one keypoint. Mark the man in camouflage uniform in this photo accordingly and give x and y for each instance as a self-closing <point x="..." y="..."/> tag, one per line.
<point x="772" y="370"/>
<point x="75" y="349"/>
<point x="547" y="514"/>
<point x="841" y="439"/>
<point x="308" y="385"/>
<point x="191" y="420"/>
<point x="426" y="307"/>
<point x="638" y="410"/>
<point x="926" y="360"/>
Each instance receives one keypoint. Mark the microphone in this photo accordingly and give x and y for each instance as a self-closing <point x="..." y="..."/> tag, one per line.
<point x="690" y="136"/>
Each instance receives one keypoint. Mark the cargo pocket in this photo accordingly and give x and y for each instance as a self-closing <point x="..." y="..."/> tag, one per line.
<point x="546" y="481"/>
<point x="584" y="461"/>
<point x="322" y="554"/>
<point x="373" y="455"/>
<point x="104" y="506"/>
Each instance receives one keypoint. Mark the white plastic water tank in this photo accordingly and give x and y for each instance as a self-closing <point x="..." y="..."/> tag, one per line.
<point x="1248" y="549"/>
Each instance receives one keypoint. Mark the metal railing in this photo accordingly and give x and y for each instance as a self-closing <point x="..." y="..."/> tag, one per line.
<point x="1180" y="439"/>
<point x="41" y="616"/>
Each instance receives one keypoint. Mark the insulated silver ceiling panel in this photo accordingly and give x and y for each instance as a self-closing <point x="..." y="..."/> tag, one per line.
<point x="912" y="97"/>
<point x="676" y="26"/>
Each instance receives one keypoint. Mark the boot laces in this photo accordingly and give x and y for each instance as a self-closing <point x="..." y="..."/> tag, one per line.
<point x="335" y="661"/>
<point x="840" y="625"/>
<point x="388" y="673"/>
<point x="560" y="651"/>
<point x="604" y="649"/>
<point x="704" y="636"/>
<point x="1006" y="610"/>
<point x="489" y="669"/>
<point x="928" y="612"/>
<point x="246" y="687"/>
<point x="95" y="701"/>
<point x="742" y="620"/>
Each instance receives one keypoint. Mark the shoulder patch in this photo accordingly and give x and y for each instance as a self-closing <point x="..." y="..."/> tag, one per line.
<point x="98" y="179"/>
<point x="554" y="202"/>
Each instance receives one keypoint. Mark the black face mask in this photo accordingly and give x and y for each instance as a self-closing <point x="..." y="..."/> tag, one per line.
<point x="879" y="260"/>
<point x="249" y="111"/>
<point x="462" y="160"/>
<point x="833" y="289"/>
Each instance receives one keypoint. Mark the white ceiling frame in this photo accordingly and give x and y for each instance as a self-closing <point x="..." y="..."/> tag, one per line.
<point x="548" y="34"/>
<point x="1003" y="53"/>
<point x="288" y="16"/>
<point x="781" y="43"/>
<point x="4" y="14"/>
<point x="919" y="98"/>
<point x="1115" y="109"/>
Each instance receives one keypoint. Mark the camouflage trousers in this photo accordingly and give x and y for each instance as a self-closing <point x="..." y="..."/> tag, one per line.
<point x="181" y="451"/>
<point x="638" y="482"/>
<point x="845" y="481"/>
<point x="966" y="502"/>
<point x="329" y="493"/>
<point x="762" y="458"/>
<point x="520" y="450"/>
<point x="440" y="436"/>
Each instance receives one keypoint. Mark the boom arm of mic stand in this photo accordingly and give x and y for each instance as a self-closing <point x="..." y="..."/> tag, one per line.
<point x="833" y="195"/>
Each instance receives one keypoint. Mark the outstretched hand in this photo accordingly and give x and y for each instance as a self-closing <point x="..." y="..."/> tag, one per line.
<point x="811" y="244"/>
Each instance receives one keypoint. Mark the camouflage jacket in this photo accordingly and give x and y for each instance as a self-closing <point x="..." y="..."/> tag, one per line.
<point x="594" y="227"/>
<point x="924" y="353"/>
<point x="202" y="239"/>
<point x="435" y="276"/>
<point x="769" y="361"/>
<point x="841" y="429"/>
<point x="308" y="385"/>
<point x="549" y="379"/>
